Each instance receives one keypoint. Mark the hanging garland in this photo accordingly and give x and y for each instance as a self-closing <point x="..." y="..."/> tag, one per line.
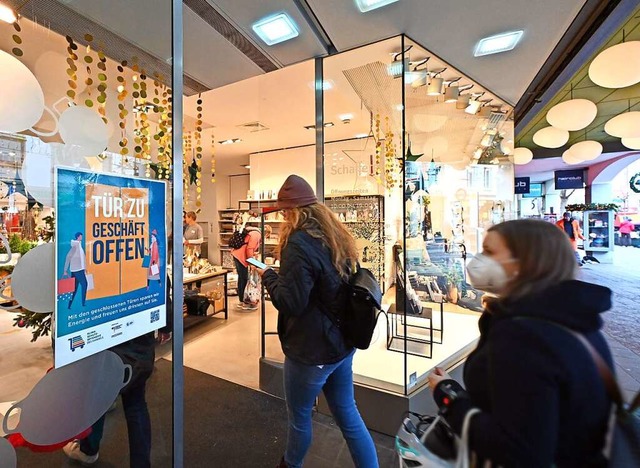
<point x="634" y="183"/>
<point x="593" y="207"/>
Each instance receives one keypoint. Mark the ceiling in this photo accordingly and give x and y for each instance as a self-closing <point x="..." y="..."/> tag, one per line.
<point x="283" y="102"/>
<point x="221" y="48"/>
<point x="610" y="102"/>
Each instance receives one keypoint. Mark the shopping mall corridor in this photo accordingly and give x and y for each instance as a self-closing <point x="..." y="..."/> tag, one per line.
<point x="622" y="326"/>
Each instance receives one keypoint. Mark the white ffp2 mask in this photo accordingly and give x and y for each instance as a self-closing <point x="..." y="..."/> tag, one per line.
<point x="487" y="274"/>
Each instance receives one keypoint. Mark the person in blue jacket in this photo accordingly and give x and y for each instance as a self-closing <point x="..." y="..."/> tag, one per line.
<point x="542" y="400"/>
<point x="315" y="252"/>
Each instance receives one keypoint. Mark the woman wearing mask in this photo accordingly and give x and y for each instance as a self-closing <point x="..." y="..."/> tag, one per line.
<point x="542" y="400"/>
<point x="315" y="252"/>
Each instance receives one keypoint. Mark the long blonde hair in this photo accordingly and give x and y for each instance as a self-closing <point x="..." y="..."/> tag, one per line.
<point x="321" y="223"/>
<point x="544" y="254"/>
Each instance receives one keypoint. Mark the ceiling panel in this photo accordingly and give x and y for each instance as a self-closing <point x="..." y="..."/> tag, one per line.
<point x="451" y="30"/>
<point x="243" y="13"/>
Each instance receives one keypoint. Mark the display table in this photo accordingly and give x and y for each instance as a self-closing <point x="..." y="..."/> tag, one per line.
<point x="420" y="331"/>
<point x="190" y="280"/>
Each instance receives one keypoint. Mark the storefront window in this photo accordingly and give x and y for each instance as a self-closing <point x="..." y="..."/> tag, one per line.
<point x="85" y="217"/>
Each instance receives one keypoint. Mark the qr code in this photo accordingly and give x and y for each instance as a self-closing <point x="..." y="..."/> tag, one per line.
<point x="155" y="315"/>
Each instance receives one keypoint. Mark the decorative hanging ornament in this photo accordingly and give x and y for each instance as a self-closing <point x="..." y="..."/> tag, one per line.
<point x="572" y="115"/>
<point x="21" y="97"/>
<point x="569" y="158"/>
<point x="634" y="183"/>
<point x="617" y="67"/>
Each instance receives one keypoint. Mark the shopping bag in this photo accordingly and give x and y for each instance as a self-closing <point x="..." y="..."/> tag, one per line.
<point x="66" y="285"/>
<point x="146" y="261"/>
<point x="89" y="282"/>
<point x="253" y="290"/>
<point x="155" y="269"/>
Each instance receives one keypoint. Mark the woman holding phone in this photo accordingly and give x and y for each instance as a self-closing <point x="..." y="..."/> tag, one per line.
<point x="316" y="255"/>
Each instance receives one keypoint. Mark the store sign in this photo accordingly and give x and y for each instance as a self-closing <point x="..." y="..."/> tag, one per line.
<point x="110" y="261"/>
<point x="522" y="185"/>
<point x="573" y="179"/>
<point x="535" y="191"/>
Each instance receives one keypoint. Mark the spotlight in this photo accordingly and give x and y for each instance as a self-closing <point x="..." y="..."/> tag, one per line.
<point x="7" y="14"/>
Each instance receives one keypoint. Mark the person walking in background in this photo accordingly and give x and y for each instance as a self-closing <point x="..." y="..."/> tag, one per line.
<point x="572" y="228"/>
<point x="626" y="228"/>
<point x="542" y="400"/>
<point x="316" y="255"/>
<point x="76" y="263"/>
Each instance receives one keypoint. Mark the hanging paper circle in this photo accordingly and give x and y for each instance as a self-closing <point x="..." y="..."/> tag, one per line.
<point x="37" y="175"/>
<point x="551" y="137"/>
<point x="21" y="97"/>
<point x="626" y="125"/>
<point x="84" y="128"/>
<point x="35" y="267"/>
<point x="572" y="115"/>
<point x="571" y="158"/>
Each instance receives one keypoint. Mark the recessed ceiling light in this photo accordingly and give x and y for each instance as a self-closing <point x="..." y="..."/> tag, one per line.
<point x="329" y="124"/>
<point x="310" y="127"/>
<point x="275" y="29"/>
<point x="498" y="43"/>
<point x="362" y="135"/>
<point x="230" y="141"/>
<point x="344" y="117"/>
<point x="7" y="14"/>
<point x="247" y="166"/>
<point x="368" y="5"/>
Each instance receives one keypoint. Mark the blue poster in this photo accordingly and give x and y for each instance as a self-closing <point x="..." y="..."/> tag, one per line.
<point x="111" y="258"/>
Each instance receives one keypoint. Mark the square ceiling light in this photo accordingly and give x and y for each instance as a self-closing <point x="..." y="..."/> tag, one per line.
<point x="498" y="43"/>
<point x="276" y="29"/>
<point x="368" y="5"/>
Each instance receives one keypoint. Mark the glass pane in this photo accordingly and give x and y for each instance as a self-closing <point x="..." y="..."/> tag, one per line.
<point x="458" y="183"/>
<point x="85" y="146"/>
<point x="363" y="182"/>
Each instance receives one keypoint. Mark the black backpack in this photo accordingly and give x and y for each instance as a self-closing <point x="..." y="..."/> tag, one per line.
<point x="237" y="239"/>
<point x="363" y="306"/>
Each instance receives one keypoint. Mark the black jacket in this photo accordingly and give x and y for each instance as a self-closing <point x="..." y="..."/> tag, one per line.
<point x="307" y="292"/>
<point x="542" y="399"/>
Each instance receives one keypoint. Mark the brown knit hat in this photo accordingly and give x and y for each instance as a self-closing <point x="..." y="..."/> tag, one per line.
<point x="295" y="193"/>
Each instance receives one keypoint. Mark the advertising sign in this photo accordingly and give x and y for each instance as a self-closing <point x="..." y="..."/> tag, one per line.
<point x="573" y="179"/>
<point x="522" y="185"/>
<point x="535" y="191"/>
<point x="111" y="258"/>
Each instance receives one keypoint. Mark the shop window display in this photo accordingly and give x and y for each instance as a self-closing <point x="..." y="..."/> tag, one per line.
<point x="70" y="100"/>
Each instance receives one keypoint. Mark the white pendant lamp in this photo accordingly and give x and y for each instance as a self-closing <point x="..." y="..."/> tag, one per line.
<point x="587" y="150"/>
<point x="570" y="158"/>
<point x="625" y="125"/>
<point x="551" y="137"/>
<point x="522" y="156"/>
<point x="631" y="143"/>
<point x="617" y="67"/>
<point x="572" y="115"/>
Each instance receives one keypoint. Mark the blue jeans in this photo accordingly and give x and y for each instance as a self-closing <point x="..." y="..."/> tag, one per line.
<point x="302" y="384"/>
<point x="138" y="427"/>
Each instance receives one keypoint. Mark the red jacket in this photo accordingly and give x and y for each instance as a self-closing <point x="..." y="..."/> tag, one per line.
<point x="626" y="227"/>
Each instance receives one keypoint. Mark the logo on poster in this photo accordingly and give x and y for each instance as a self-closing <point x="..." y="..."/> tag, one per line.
<point x="76" y="342"/>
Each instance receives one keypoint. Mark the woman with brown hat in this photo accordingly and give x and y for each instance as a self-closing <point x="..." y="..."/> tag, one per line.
<point x="315" y="252"/>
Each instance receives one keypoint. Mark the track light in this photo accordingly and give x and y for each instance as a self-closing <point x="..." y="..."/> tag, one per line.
<point x="463" y="101"/>
<point x="451" y="93"/>
<point x="434" y="88"/>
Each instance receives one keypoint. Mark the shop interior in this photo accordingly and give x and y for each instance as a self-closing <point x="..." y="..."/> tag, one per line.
<point x="417" y="203"/>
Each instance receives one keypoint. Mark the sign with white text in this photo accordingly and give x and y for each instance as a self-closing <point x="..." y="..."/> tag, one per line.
<point x="110" y="261"/>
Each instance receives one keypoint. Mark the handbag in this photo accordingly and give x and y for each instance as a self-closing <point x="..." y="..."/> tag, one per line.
<point x="146" y="261"/>
<point x="238" y="237"/>
<point x="155" y="269"/>
<point x="66" y="285"/>
<point x="432" y="443"/>
<point x="90" y="284"/>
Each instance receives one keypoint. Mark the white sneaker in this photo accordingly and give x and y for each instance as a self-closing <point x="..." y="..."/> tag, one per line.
<point x="72" y="450"/>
